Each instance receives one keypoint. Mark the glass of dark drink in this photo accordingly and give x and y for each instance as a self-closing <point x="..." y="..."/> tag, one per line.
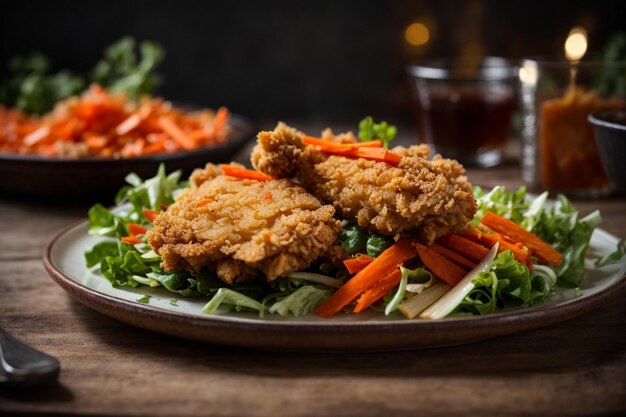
<point x="464" y="108"/>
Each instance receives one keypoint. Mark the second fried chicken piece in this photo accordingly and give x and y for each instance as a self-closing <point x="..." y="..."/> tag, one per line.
<point x="419" y="197"/>
<point x="242" y="228"/>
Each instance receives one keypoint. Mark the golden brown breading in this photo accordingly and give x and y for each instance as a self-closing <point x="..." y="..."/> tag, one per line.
<point x="241" y="228"/>
<point x="419" y="197"/>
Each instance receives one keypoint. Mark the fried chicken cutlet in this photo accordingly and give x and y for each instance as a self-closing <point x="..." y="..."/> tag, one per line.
<point x="242" y="228"/>
<point x="420" y="197"/>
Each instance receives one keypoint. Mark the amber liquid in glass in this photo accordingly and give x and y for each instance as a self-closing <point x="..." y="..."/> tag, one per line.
<point x="461" y="121"/>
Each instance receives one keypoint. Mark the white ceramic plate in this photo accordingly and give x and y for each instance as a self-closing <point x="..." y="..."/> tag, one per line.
<point x="183" y="317"/>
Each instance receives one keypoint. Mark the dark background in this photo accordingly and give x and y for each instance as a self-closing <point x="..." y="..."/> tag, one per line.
<point x="322" y="60"/>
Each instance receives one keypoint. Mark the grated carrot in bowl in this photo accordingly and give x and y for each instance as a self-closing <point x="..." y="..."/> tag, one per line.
<point x="99" y="124"/>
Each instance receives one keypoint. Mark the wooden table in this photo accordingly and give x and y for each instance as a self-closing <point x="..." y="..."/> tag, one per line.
<point x="109" y="368"/>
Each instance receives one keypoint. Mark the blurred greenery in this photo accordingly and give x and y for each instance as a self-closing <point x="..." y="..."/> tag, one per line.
<point x="32" y="88"/>
<point x="612" y="82"/>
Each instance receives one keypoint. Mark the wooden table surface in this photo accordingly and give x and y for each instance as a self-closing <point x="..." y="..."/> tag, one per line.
<point x="577" y="367"/>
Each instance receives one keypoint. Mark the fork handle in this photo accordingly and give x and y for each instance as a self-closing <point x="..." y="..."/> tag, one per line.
<point x="24" y="365"/>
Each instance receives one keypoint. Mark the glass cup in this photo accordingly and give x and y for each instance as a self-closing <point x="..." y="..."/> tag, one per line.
<point x="559" y="151"/>
<point x="464" y="109"/>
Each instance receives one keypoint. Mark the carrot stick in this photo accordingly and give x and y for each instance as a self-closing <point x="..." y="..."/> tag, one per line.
<point x="372" y="150"/>
<point x="220" y="119"/>
<point x="204" y="201"/>
<point x="463" y="246"/>
<point x="131" y="240"/>
<point x="354" y="265"/>
<point x="372" y="154"/>
<point x="327" y="144"/>
<point x="538" y="248"/>
<point x="378" y="291"/>
<point x="490" y="239"/>
<point x="136" y="229"/>
<point x="150" y="215"/>
<point x="446" y="270"/>
<point x="386" y="262"/>
<point x="176" y="133"/>
<point x="452" y="256"/>
<point x="237" y="172"/>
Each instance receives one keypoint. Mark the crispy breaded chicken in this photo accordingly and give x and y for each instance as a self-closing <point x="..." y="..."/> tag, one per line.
<point x="420" y="197"/>
<point x="242" y="228"/>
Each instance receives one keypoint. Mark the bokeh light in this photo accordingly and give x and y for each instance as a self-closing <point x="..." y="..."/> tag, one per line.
<point x="576" y="44"/>
<point x="417" y="34"/>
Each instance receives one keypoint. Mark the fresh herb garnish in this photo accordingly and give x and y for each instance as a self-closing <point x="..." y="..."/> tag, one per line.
<point x="369" y="130"/>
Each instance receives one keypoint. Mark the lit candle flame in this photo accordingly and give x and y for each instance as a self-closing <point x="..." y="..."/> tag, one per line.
<point x="576" y="44"/>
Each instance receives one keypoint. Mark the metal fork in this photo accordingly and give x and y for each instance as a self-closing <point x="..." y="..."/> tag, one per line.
<point x="23" y="365"/>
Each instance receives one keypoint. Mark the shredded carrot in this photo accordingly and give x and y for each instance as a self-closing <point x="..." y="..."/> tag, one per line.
<point x="327" y="144"/>
<point x="446" y="270"/>
<point x="538" y="248"/>
<point x="463" y="246"/>
<point x="490" y="239"/>
<point x="176" y="133"/>
<point x="354" y="265"/>
<point x="111" y="126"/>
<point x="136" y="229"/>
<point x="204" y="201"/>
<point x="453" y="256"/>
<point x="372" y="150"/>
<point x="384" y="264"/>
<point x="150" y="215"/>
<point x="237" y="172"/>
<point x="373" y="154"/>
<point x="378" y="291"/>
<point x="131" y="240"/>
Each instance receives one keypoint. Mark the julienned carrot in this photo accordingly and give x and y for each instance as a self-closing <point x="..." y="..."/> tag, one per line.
<point x="373" y="154"/>
<point x="355" y="265"/>
<point x="384" y="264"/>
<point x="176" y="133"/>
<point x="131" y="240"/>
<point x="136" y="229"/>
<point x="453" y="256"/>
<point x="378" y="291"/>
<point x="446" y="270"/>
<point x="490" y="239"/>
<point x="150" y="215"/>
<point x="538" y="248"/>
<point x="237" y="172"/>
<point x="111" y="126"/>
<point x="327" y="144"/>
<point x="464" y="246"/>
<point x="371" y="150"/>
<point x="204" y="201"/>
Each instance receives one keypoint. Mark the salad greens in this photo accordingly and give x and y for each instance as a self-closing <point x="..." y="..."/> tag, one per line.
<point x="32" y="88"/>
<point x="558" y="225"/>
<point x="506" y="283"/>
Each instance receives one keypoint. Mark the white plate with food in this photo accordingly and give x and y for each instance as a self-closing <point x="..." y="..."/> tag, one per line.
<point x="244" y="258"/>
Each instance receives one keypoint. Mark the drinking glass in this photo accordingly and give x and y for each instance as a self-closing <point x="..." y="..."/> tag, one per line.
<point x="463" y="109"/>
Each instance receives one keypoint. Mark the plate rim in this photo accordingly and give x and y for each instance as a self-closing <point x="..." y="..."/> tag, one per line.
<point x="487" y="326"/>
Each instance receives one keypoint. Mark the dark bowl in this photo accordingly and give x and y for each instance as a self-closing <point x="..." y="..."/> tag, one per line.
<point x="610" y="129"/>
<point x="72" y="179"/>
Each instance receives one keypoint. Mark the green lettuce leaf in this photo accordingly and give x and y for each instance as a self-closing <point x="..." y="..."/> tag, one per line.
<point x="300" y="302"/>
